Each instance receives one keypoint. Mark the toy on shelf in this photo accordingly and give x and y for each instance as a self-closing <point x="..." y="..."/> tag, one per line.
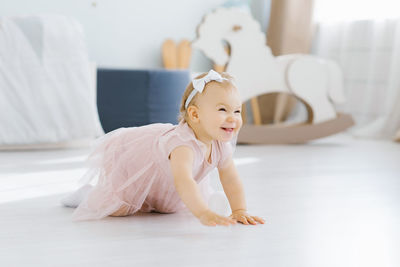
<point x="176" y="56"/>
<point x="314" y="81"/>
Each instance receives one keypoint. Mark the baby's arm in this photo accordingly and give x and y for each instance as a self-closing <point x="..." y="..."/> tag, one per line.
<point x="181" y="160"/>
<point x="234" y="191"/>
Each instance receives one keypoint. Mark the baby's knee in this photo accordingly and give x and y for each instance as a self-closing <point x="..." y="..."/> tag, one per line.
<point x="121" y="212"/>
<point x="166" y="210"/>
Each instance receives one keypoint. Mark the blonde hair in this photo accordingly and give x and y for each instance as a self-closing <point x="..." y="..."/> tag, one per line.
<point x="229" y="82"/>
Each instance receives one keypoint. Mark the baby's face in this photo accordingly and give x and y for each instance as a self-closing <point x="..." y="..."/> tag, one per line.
<point x="220" y="112"/>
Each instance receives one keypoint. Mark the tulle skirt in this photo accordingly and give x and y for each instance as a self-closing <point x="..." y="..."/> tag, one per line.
<point x="130" y="175"/>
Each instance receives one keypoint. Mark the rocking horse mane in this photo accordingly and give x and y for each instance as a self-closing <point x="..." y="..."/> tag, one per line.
<point x="213" y="25"/>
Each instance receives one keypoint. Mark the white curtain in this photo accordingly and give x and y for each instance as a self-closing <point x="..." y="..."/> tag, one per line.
<point x="368" y="51"/>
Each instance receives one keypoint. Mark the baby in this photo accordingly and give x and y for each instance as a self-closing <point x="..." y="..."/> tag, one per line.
<point x="161" y="167"/>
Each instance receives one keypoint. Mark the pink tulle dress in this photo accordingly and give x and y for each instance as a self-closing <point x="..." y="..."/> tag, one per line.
<point x="133" y="170"/>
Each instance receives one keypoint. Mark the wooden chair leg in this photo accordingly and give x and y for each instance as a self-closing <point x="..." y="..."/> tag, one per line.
<point x="280" y="107"/>
<point x="184" y="54"/>
<point x="244" y="113"/>
<point x="255" y="108"/>
<point x="169" y="55"/>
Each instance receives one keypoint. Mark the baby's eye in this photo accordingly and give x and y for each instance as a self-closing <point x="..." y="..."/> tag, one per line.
<point x="222" y="109"/>
<point x="238" y="111"/>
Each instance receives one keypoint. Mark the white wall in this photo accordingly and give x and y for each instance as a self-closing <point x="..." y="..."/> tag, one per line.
<point x="129" y="33"/>
<point x="123" y="33"/>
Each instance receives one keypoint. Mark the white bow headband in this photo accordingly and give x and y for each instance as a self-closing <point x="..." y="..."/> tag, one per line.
<point x="199" y="84"/>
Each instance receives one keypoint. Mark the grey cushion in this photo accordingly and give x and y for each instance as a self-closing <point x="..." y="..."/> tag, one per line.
<point x="127" y="98"/>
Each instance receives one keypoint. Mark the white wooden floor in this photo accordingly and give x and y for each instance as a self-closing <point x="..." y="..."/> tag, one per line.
<point x="334" y="202"/>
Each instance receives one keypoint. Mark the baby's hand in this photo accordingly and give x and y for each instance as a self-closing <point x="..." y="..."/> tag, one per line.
<point x="243" y="217"/>
<point x="210" y="218"/>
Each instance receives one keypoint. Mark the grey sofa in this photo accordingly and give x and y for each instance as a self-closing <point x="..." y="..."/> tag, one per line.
<point x="127" y="98"/>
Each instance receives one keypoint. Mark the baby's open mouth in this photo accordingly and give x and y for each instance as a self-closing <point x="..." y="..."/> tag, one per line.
<point x="229" y="130"/>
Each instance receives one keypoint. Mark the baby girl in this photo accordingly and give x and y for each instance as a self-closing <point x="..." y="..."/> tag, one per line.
<point x="161" y="167"/>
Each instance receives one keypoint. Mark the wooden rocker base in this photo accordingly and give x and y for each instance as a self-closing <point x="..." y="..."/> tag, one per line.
<point x="293" y="134"/>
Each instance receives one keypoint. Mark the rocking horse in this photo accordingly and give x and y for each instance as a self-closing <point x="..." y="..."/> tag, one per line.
<point x="316" y="82"/>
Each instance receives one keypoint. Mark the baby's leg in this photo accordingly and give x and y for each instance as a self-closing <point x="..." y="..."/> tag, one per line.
<point x="121" y="212"/>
